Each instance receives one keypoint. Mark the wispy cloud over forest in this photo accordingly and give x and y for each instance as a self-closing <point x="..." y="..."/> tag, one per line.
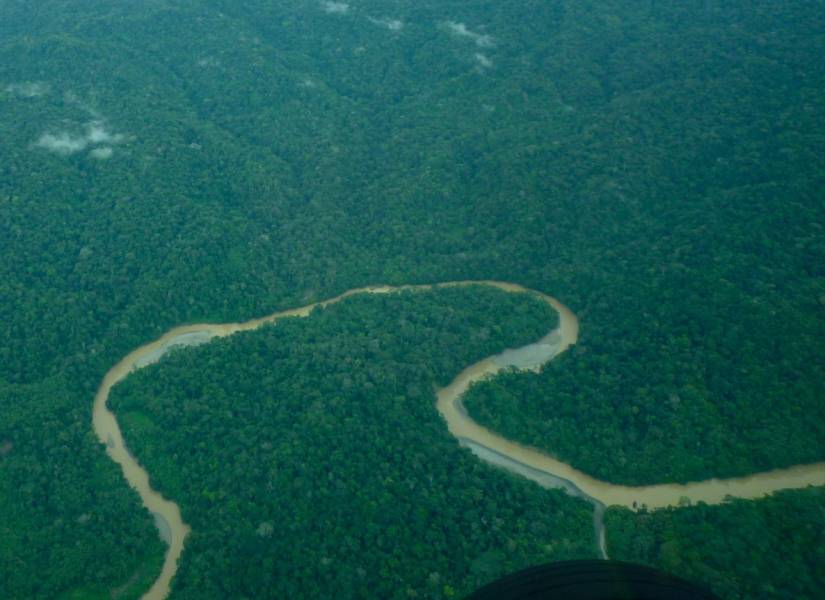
<point x="335" y="7"/>
<point x="482" y="40"/>
<point x="67" y="143"/>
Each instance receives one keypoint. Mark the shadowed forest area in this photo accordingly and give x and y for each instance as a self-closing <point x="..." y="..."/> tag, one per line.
<point x="656" y="165"/>
<point x="742" y="549"/>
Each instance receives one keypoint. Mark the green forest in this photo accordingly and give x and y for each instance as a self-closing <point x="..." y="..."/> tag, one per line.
<point x="658" y="166"/>
<point x="768" y="548"/>
<point x="310" y="460"/>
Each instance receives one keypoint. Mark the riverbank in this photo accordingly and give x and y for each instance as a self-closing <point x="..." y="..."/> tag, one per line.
<point x="518" y="458"/>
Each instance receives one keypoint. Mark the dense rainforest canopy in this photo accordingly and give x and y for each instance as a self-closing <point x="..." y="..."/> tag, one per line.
<point x="311" y="462"/>
<point x="770" y="548"/>
<point x="656" y="165"/>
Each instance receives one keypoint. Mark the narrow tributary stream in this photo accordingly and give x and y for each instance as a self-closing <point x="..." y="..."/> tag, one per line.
<point x="487" y="445"/>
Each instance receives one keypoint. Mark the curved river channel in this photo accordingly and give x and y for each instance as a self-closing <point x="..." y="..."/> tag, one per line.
<point x="486" y="444"/>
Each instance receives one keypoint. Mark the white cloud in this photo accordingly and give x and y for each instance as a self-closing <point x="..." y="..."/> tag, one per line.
<point x="483" y="60"/>
<point x="102" y="153"/>
<point x="339" y="8"/>
<point x="460" y="29"/>
<point x="62" y="143"/>
<point x="66" y="143"/>
<point x="391" y="24"/>
<point x="27" y="90"/>
<point x="97" y="134"/>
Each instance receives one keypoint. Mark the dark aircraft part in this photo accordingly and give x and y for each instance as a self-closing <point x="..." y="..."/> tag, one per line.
<point x="591" y="580"/>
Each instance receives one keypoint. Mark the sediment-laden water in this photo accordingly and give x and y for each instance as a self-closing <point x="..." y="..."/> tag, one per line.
<point x="487" y="445"/>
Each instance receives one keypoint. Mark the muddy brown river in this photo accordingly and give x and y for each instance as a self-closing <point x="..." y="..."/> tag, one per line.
<point x="487" y="445"/>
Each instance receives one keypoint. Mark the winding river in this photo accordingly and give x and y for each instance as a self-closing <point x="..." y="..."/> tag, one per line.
<point x="486" y="444"/>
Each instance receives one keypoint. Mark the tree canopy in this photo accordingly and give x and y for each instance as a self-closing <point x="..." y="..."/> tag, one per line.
<point x="768" y="548"/>
<point x="657" y="165"/>
<point x="310" y="460"/>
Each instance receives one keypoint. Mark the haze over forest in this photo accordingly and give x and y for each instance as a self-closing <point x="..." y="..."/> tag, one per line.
<point x="648" y="174"/>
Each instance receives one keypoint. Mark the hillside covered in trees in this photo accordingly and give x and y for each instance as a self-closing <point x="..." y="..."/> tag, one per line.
<point x="657" y="166"/>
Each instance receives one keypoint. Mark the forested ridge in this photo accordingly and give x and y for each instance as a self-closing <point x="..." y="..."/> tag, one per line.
<point x="658" y="166"/>
<point x="768" y="548"/>
<point x="311" y="462"/>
